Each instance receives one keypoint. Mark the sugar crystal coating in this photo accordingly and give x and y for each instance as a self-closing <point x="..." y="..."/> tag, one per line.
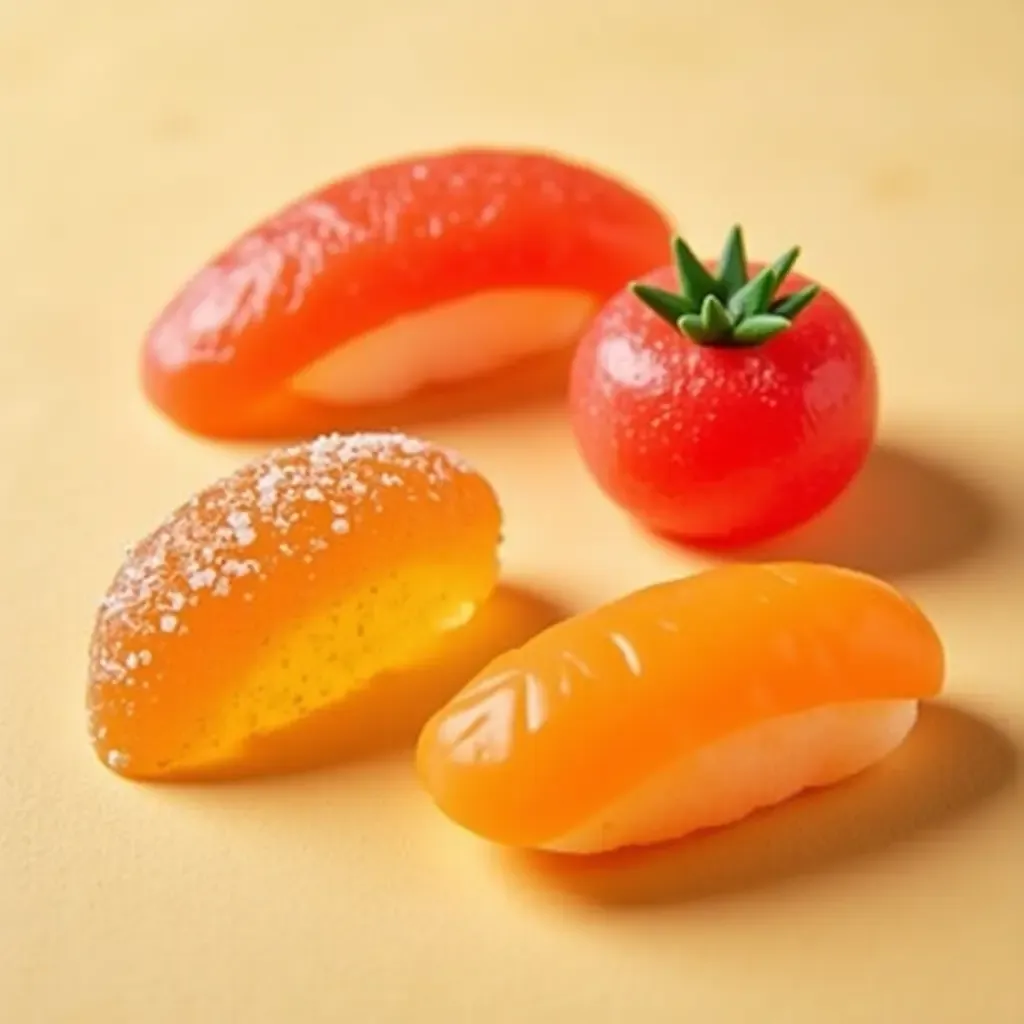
<point x="290" y="507"/>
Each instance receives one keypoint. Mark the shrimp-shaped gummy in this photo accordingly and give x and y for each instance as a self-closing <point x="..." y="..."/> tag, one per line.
<point x="683" y="706"/>
<point x="281" y="590"/>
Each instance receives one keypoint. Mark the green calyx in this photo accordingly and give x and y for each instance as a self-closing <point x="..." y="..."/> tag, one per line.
<point x="732" y="309"/>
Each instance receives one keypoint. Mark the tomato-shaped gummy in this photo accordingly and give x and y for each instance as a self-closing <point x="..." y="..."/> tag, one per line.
<point x="731" y="410"/>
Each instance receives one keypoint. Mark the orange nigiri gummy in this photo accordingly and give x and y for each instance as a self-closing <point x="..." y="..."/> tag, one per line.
<point x="398" y="291"/>
<point x="276" y="592"/>
<point x="683" y="706"/>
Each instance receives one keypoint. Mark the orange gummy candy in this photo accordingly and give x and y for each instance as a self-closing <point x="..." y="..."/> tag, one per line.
<point x="281" y="589"/>
<point x="683" y="706"/>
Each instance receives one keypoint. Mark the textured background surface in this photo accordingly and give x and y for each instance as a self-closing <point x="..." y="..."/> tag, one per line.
<point x="886" y="137"/>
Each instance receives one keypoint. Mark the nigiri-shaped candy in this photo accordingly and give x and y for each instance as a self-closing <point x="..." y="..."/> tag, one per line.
<point x="683" y="706"/>
<point x="398" y="288"/>
<point x="279" y="591"/>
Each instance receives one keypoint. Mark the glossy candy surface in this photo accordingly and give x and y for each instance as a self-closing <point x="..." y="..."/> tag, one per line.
<point x="400" y="285"/>
<point x="682" y="706"/>
<point x="731" y="440"/>
<point x="281" y="589"/>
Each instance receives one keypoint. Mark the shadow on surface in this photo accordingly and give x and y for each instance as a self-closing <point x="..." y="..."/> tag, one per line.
<point x="388" y="715"/>
<point x="904" y="514"/>
<point x="951" y="763"/>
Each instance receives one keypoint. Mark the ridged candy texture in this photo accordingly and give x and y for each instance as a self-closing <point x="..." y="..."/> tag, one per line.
<point x="682" y="706"/>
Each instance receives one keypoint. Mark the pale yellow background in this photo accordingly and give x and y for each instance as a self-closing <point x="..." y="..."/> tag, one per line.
<point x="887" y="137"/>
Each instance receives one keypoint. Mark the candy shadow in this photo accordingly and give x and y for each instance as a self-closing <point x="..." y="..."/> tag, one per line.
<point x="386" y="718"/>
<point x="905" y="514"/>
<point x="951" y="763"/>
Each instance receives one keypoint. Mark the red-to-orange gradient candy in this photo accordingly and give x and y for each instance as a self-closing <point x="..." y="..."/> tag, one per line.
<point x="276" y="593"/>
<point x="683" y="706"/>
<point x="401" y="287"/>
